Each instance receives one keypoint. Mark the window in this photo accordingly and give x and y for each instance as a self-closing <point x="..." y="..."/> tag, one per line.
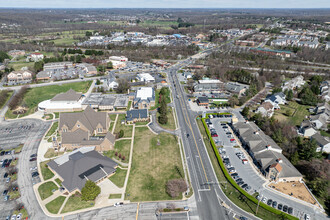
<point x="99" y="129"/>
<point x="78" y="125"/>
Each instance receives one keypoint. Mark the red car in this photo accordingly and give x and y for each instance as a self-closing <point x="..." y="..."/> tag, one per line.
<point x="232" y="140"/>
<point x="214" y="135"/>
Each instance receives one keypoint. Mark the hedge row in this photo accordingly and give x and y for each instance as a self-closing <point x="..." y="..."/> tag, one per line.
<point x="234" y="184"/>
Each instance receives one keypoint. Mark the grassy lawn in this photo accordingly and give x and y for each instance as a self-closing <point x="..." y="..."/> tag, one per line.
<point x="65" y="41"/>
<point x="122" y="147"/>
<point x="45" y="171"/>
<point x="19" y="149"/>
<point x="45" y="189"/>
<point x="234" y="195"/>
<point x="52" y="129"/>
<point x="58" y="181"/>
<point x="297" y="112"/>
<point x="9" y="94"/>
<point x="113" y="117"/>
<point x="114" y="196"/>
<point x="170" y="125"/>
<point x="167" y="95"/>
<point x="111" y="126"/>
<point x="23" y="211"/>
<point x="13" y="177"/>
<point x="155" y="161"/>
<point x="324" y="133"/>
<point x="14" y="194"/>
<point x="119" y="177"/>
<point x="75" y="203"/>
<point x="141" y="123"/>
<point x="19" y="65"/>
<point x="129" y="105"/>
<point x="48" y="116"/>
<point x="126" y="128"/>
<point x="55" y="205"/>
<point x="38" y="94"/>
<point x="51" y="153"/>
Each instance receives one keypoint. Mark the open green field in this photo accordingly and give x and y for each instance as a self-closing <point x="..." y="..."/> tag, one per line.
<point x="122" y="147"/>
<point x="75" y="203"/>
<point x="38" y="94"/>
<point x="119" y="177"/>
<point x="65" y="41"/>
<point x="297" y="113"/>
<point x="45" y="171"/>
<point x="126" y="128"/>
<point x="19" y="65"/>
<point x="155" y="161"/>
<point x="168" y="99"/>
<point x="55" y="205"/>
<point x="233" y="194"/>
<point x="45" y="189"/>
<point x="9" y="94"/>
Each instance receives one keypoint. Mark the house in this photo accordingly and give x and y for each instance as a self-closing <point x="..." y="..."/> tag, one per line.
<point x="236" y="88"/>
<point x="111" y="83"/>
<point x="322" y="142"/>
<point x="80" y="165"/>
<point x="69" y="101"/>
<point x="307" y="129"/>
<point x="136" y="115"/>
<point x="325" y="91"/>
<point x="294" y="83"/>
<point x="266" y="154"/>
<point x="320" y="121"/>
<point x="14" y="53"/>
<point x="145" y="77"/>
<point x="87" y="128"/>
<point x="44" y="76"/>
<point x="276" y="99"/>
<point x="202" y="101"/>
<point x="35" y="57"/>
<point x="266" y="109"/>
<point x="19" y="77"/>
<point x="208" y="86"/>
<point x="144" y="98"/>
<point x="282" y="53"/>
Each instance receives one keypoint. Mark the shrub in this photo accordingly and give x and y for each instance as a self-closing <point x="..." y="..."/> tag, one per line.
<point x="121" y="134"/>
<point x="90" y="191"/>
<point x="176" y="186"/>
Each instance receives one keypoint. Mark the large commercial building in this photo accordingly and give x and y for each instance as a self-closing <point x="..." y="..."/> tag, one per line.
<point x="266" y="154"/>
<point x="109" y="102"/>
<point x="208" y="85"/>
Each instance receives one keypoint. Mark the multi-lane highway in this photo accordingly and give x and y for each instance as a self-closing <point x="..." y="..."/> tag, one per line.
<point x="209" y="197"/>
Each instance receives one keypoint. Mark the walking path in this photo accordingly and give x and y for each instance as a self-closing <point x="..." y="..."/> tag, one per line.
<point x="156" y="128"/>
<point x="114" y="126"/>
<point x="129" y="163"/>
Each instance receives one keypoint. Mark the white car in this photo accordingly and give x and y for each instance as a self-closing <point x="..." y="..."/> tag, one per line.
<point x="13" y="217"/>
<point x="19" y="216"/>
<point x="307" y="217"/>
<point x="118" y="204"/>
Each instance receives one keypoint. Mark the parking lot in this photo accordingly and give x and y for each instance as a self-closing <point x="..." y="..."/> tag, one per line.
<point x="27" y="132"/>
<point x="233" y="156"/>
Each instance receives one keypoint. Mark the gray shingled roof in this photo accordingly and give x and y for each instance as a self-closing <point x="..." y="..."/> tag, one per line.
<point x="136" y="114"/>
<point x="320" y="140"/>
<point x="81" y="137"/>
<point x="82" y="166"/>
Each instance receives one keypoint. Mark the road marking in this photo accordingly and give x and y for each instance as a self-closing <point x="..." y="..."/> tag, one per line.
<point x="137" y="211"/>
<point x="186" y="118"/>
<point x="204" y="190"/>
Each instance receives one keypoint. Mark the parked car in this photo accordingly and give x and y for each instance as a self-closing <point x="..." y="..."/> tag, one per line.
<point x="8" y="180"/>
<point x="307" y="217"/>
<point x="5" y="192"/>
<point x="234" y="174"/>
<point x="290" y="210"/>
<point x="19" y="216"/>
<point x="5" y="176"/>
<point x="240" y="183"/>
<point x="118" y="204"/>
<point x="264" y="199"/>
<point x="274" y="204"/>
<point x="280" y="206"/>
<point x="285" y="208"/>
<point x="247" y="188"/>
<point x="238" y="180"/>
<point x="236" y="177"/>
<point x="244" y="185"/>
<point x="6" y="198"/>
<point x="269" y="202"/>
<point x="35" y="174"/>
<point x="33" y="159"/>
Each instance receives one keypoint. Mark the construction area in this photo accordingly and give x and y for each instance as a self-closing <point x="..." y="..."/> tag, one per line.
<point x="295" y="189"/>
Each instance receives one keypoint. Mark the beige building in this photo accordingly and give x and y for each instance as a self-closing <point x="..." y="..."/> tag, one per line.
<point x="87" y="128"/>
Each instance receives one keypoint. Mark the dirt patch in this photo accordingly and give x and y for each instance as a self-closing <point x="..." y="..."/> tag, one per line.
<point x="294" y="189"/>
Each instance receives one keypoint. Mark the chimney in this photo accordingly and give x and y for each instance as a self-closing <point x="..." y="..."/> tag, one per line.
<point x="256" y="132"/>
<point x="279" y="160"/>
<point x="268" y="147"/>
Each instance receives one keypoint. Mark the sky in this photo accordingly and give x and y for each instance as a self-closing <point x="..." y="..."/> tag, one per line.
<point x="165" y="3"/>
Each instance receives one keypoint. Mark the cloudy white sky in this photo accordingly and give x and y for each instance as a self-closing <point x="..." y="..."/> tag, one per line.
<point x="165" y="3"/>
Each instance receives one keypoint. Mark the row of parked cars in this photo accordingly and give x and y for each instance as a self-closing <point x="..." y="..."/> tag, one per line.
<point x="8" y="152"/>
<point x="6" y="162"/>
<point x="232" y="171"/>
<point x="275" y="205"/>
